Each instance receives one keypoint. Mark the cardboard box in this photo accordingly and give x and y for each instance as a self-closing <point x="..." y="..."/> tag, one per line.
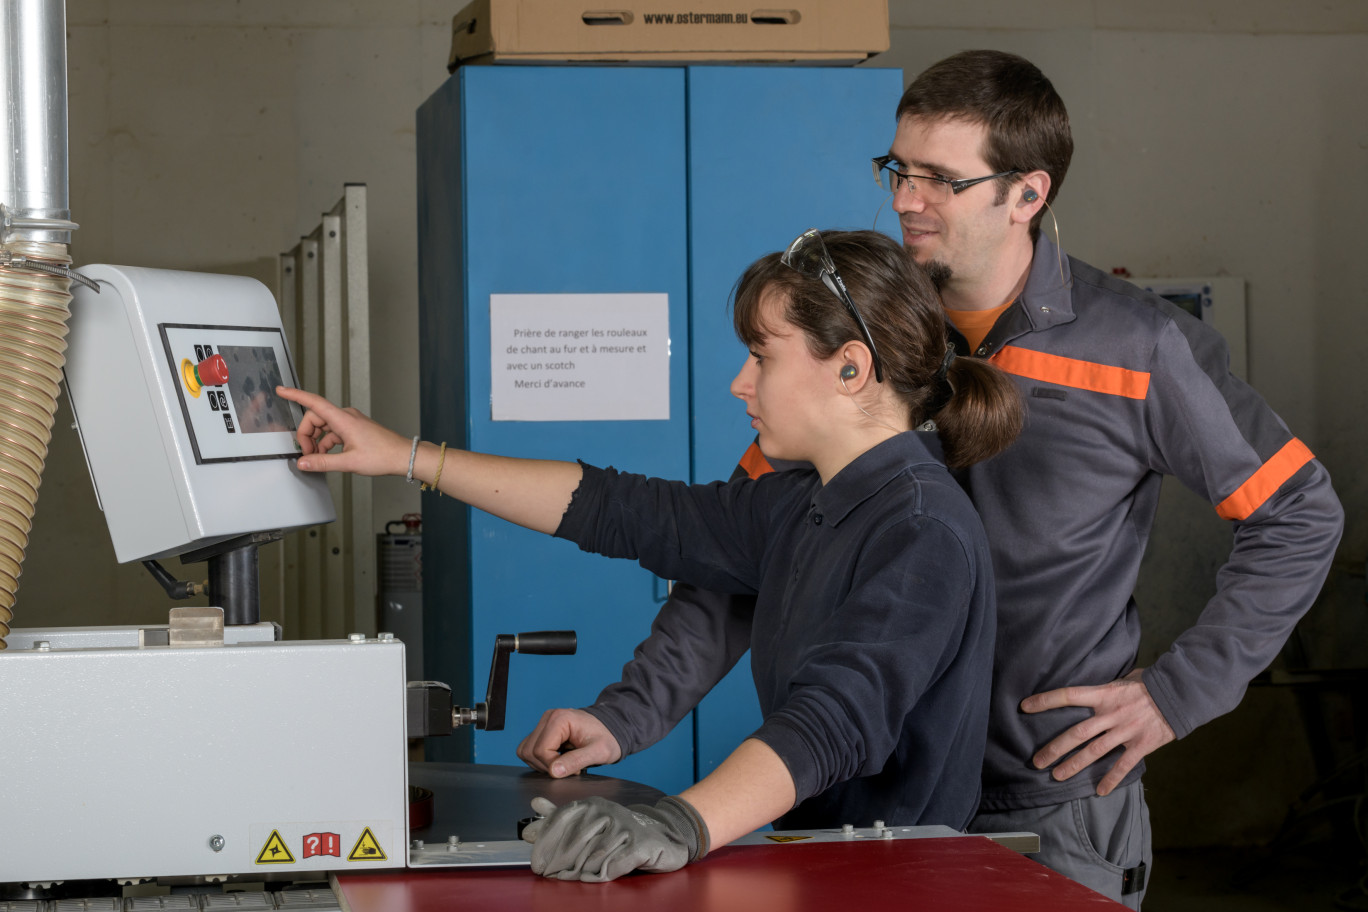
<point x="667" y="31"/>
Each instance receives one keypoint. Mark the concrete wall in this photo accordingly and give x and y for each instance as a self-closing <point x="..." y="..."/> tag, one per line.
<point x="1214" y="137"/>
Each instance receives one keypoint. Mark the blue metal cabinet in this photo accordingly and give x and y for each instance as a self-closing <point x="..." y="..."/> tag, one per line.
<point x="544" y="180"/>
<point x="579" y="179"/>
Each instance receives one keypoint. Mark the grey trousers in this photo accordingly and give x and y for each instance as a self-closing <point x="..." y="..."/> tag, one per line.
<point x="1100" y="842"/>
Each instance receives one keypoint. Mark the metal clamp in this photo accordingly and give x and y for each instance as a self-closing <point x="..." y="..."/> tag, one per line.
<point x="11" y="261"/>
<point x="10" y="222"/>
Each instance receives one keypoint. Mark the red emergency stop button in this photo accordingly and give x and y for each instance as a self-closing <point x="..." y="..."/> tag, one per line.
<point x="212" y="371"/>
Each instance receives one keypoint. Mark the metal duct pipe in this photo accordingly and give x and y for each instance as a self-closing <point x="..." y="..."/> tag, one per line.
<point x="33" y="80"/>
<point x="35" y="274"/>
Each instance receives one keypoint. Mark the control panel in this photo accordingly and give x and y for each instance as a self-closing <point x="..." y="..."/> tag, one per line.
<point x="228" y="376"/>
<point x="172" y="378"/>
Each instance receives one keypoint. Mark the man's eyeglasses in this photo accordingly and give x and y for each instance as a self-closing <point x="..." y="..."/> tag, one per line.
<point x="931" y="189"/>
<point x="808" y="254"/>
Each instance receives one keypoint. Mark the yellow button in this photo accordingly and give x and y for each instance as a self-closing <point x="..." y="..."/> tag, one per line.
<point x="190" y="377"/>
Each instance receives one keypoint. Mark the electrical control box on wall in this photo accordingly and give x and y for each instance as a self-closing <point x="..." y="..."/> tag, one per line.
<point x="1218" y="300"/>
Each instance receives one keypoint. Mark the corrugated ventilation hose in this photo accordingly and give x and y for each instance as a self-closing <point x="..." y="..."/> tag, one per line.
<point x="34" y="309"/>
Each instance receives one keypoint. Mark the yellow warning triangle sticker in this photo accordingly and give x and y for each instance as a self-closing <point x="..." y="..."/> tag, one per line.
<point x="367" y="848"/>
<point x="275" y="851"/>
<point x="787" y="838"/>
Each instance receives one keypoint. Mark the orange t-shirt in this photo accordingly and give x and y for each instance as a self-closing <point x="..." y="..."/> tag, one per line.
<point x="974" y="324"/>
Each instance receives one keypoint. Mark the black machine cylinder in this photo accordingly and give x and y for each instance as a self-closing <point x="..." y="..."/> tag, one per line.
<point x="233" y="579"/>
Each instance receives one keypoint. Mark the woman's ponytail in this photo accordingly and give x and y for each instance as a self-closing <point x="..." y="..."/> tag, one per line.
<point x="982" y="417"/>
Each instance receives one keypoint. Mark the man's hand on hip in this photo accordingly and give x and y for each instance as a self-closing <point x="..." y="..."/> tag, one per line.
<point x="1124" y="715"/>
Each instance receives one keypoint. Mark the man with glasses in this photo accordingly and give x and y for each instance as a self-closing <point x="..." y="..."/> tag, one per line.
<point x="1121" y="388"/>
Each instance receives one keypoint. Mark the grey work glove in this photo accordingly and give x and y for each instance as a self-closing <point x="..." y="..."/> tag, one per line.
<point x="598" y="840"/>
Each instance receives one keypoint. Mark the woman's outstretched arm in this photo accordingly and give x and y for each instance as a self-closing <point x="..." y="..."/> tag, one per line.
<point x="530" y="492"/>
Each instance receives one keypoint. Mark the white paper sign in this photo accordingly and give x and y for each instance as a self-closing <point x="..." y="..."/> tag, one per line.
<point x="579" y="357"/>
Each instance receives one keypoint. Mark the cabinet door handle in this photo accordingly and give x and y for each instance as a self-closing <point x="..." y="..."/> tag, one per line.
<point x="656" y="589"/>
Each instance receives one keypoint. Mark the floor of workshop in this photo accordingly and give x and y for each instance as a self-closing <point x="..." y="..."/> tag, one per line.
<point x="1317" y="877"/>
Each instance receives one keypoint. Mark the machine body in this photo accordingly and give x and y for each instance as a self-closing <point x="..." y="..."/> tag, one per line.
<point x="253" y="759"/>
<point x="195" y="749"/>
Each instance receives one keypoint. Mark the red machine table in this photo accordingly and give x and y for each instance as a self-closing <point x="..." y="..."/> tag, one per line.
<point x="953" y="874"/>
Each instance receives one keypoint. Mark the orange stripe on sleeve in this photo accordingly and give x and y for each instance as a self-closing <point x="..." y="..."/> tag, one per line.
<point x="755" y="463"/>
<point x="1251" y="495"/>
<point x="1071" y="372"/>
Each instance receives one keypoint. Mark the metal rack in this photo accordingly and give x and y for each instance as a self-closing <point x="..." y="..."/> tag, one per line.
<point x="325" y="581"/>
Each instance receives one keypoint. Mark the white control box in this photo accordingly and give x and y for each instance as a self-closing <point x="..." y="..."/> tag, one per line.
<point x="182" y="456"/>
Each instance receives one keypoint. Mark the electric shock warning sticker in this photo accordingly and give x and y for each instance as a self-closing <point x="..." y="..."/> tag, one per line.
<point x="274" y="851"/>
<point x="787" y="838"/>
<point x="367" y="848"/>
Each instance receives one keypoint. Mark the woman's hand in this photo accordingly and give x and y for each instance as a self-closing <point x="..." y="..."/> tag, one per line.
<point x="368" y="448"/>
<point x="591" y="743"/>
<point x="598" y="840"/>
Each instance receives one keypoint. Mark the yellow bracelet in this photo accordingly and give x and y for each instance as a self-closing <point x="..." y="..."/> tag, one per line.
<point x="436" y="479"/>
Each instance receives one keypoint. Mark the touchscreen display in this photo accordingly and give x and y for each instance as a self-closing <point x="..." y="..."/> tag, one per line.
<point x="253" y="376"/>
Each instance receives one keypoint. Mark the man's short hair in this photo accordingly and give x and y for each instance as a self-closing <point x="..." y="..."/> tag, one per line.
<point x="1028" y="126"/>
